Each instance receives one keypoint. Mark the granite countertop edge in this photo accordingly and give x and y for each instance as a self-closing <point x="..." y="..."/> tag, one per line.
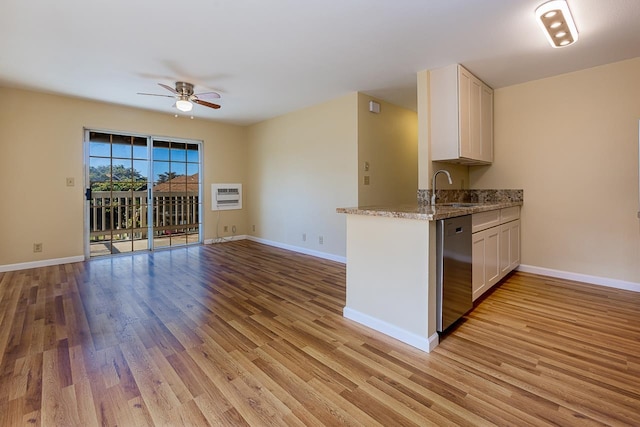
<point x="426" y="212"/>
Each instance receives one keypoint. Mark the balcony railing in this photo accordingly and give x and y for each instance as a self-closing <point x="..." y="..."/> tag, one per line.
<point x="125" y="214"/>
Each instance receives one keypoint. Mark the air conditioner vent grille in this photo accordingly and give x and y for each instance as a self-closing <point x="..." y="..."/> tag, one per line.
<point x="226" y="196"/>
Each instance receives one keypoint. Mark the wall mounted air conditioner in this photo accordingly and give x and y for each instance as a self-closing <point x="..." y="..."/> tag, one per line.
<point x="226" y="197"/>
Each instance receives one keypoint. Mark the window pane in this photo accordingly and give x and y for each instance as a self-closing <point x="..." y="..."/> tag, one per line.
<point x="160" y="150"/>
<point x="139" y="148"/>
<point x="193" y="169"/>
<point x="101" y="149"/>
<point x="121" y="170"/>
<point x="178" y="188"/>
<point x="121" y="149"/>
<point x="161" y="172"/>
<point x="178" y="152"/>
<point x="121" y="139"/>
<point x="192" y="153"/>
<point x="100" y="187"/>
<point x="101" y="245"/>
<point x="179" y="168"/>
<point x="140" y="169"/>
<point x="99" y="137"/>
<point x="99" y="169"/>
<point x="161" y="241"/>
<point x="179" y="239"/>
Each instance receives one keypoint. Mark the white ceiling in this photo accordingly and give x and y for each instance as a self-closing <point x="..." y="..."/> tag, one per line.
<point x="270" y="57"/>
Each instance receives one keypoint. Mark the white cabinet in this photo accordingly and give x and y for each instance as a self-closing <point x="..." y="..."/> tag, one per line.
<point x="509" y="246"/>
<point x="486" y="121"/>
<point x="495" y="247"/>
<point x="461" y="116"/>
<point x="485" y="256"/>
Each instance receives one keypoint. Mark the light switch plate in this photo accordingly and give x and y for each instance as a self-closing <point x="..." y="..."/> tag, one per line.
<point x="71" y="182"/>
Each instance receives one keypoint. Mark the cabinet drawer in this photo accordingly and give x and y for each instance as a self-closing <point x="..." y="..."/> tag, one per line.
<point x="483" y="220"/>
<point x="509" y="214"/>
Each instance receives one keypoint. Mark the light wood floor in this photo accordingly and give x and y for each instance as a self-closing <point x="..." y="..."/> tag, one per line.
<point x="245" y="334"/>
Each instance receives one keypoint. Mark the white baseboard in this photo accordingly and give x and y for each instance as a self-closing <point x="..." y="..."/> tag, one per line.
<point x="578" y="277"/>
<point x="318" y="254"/>
<point x="43" y="263"/>
<point x="421" y="343"/>
<point x="224" y="239"/>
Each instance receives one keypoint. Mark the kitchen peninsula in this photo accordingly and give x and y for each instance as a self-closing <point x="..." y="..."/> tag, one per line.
<point x="391" y="258"/>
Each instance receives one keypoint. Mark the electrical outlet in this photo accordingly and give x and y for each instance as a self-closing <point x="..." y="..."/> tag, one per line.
<point x="226" y="228"/>
<point x="37" y="247"/>
<point x="253" y="227"/>
<point x="321" y="240"/>
<point x="366" y="180"/>
<point x="233" y="229"/>
<point x="304" y="237"/>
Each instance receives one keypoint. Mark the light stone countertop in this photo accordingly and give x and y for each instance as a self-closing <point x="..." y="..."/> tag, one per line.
<point x="427" y="212"/>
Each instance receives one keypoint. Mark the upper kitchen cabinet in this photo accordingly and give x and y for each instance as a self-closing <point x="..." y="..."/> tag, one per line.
<point x="461" y="117"/>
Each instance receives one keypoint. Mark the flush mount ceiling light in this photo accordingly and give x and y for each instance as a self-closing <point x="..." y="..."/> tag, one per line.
<point x="183" y="104"/>
<point x="557" y="23"/>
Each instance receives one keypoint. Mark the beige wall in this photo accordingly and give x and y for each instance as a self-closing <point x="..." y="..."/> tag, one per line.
<point x="571" y="142"/>
<point x="302" y="166"/>
<point x="388" y="141"/>
<point x="41" y="143"/>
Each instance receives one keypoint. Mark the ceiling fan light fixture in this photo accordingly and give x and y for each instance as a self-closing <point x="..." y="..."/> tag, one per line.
<point x="185" y="98"/>
<point x="184" y="105"/>
<point x="557" y="23"/>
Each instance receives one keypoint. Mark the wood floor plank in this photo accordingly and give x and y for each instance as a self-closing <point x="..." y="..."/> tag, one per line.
<point x="243" y="334"/>
<point x="162" y="403"/>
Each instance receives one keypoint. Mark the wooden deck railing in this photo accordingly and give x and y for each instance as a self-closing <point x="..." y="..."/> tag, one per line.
<point x="127" y="213"/>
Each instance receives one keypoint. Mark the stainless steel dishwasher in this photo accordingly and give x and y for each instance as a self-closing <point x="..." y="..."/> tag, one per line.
<point x="453" y="270"/>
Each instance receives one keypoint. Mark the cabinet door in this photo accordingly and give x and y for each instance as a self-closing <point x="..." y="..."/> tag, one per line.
<point x="461" y="115"/>
<point x="485" y="260"/>
<point x="509" y="247"/>
<point x="492" y="259"/>
<point x="505" y="249"/>
<point x="486" y="124"/>
<point x="475" y="118"/>
<point x="478" y="256"/>
<point x="464" y="118"/>
<point x="514" y="245"/>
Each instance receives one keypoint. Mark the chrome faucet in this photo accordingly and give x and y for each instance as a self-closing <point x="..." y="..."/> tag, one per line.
<point x="433" y="185"/>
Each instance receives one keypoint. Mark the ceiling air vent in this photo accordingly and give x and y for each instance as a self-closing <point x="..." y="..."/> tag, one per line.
<point x="226" y="197"/>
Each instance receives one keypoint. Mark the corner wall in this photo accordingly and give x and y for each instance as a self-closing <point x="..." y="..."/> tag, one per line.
<point x="41" y="144"/>
<point x="302" y="166"/>
<point x="571" y="142"/>
<point x="388" y="142"/>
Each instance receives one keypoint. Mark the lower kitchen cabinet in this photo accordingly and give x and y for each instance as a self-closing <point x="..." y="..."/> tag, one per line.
<point x="496" y="247"/>
<point x="509" y="246"/>
<point x="485" y="256"/>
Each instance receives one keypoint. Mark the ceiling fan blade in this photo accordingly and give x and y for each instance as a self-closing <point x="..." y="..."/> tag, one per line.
<point x="206" y="104"/>
<point x="210" y="95"/>
<point x="155" y="94"/>
<point x="169" y="88"/>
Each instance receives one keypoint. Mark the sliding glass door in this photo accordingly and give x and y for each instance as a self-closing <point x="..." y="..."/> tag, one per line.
<point x="176" y="193"/>
<point x="142" y="193"/>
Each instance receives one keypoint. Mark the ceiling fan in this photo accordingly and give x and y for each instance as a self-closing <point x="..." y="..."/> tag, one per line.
<point x="185" y="96"/>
